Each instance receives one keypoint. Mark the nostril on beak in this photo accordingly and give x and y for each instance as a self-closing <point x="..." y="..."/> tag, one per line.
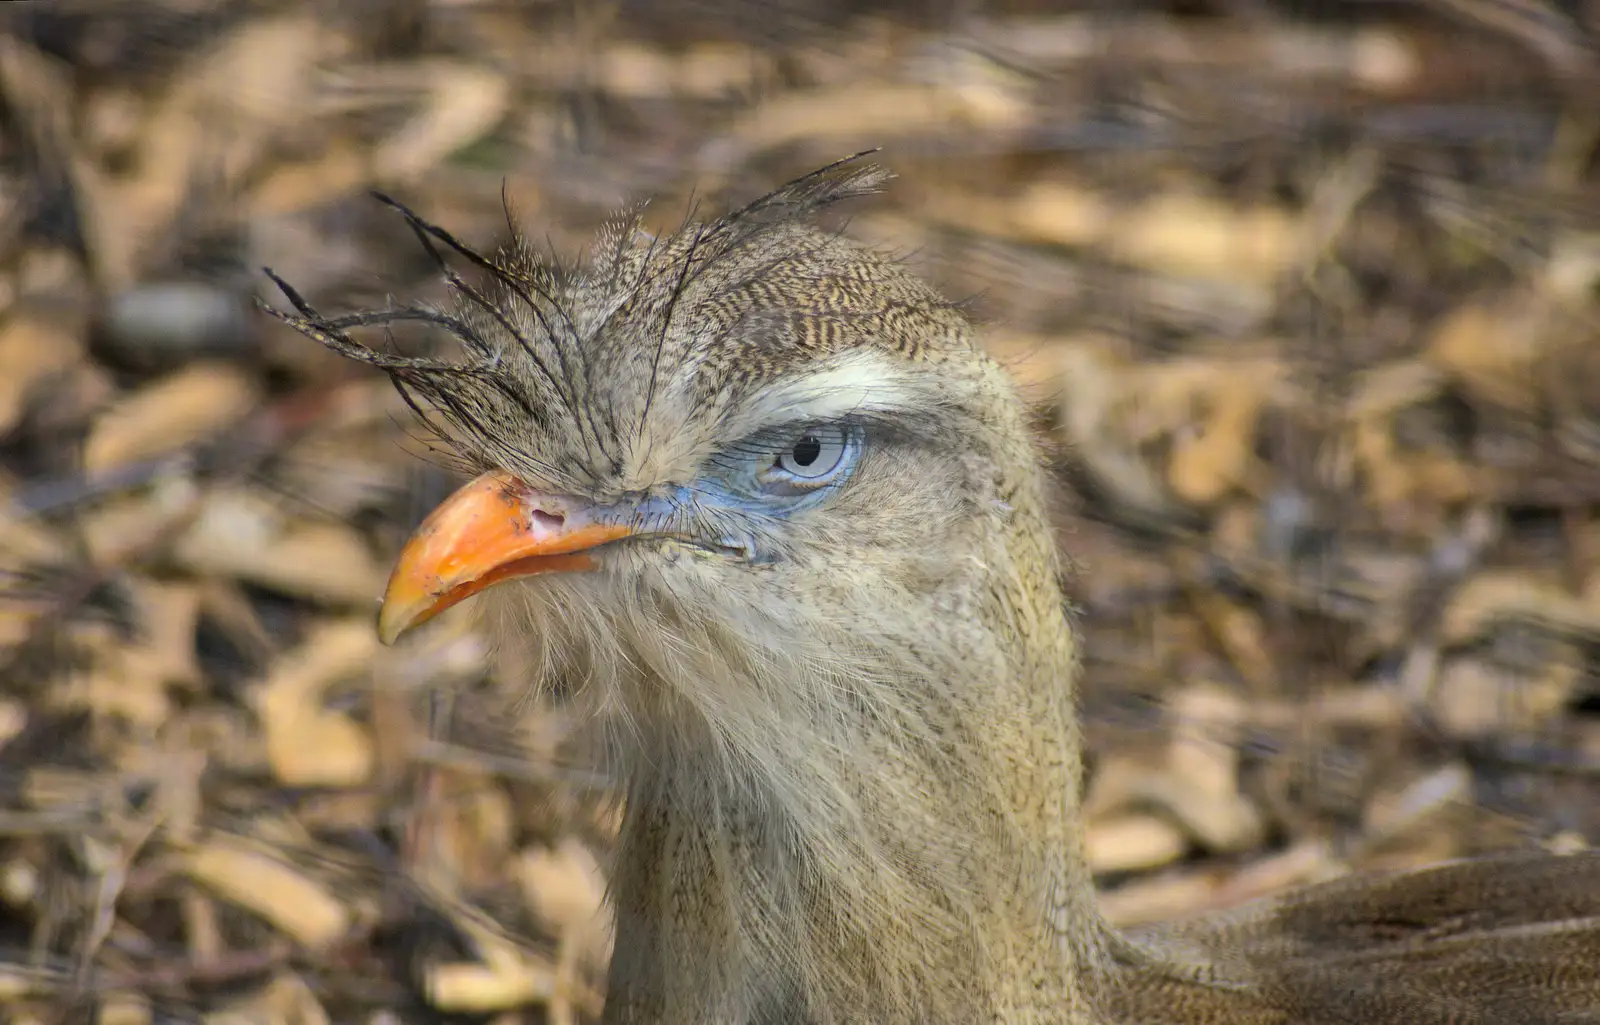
<point x="548" y="522"/>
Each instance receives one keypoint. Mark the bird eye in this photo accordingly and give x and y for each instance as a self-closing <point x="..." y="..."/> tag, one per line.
<point x="814" y="457"/>
<point x="814" y="454"/>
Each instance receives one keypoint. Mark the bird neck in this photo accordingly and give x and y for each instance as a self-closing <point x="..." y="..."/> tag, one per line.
<point x="920" y="861"/>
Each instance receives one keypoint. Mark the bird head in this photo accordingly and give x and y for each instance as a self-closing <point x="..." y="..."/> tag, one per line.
<point x="747" y="479"/>
<point x="759" y="493"/>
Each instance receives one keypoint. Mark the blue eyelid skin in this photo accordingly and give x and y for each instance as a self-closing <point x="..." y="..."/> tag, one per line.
<point x="743" y="493"/>
<point x="748" y="474"/>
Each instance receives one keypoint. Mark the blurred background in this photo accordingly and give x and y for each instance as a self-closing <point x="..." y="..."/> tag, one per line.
<point x="1307" y="295"/>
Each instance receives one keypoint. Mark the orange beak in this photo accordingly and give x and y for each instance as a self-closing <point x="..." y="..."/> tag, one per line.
<point x="493" y="529"/>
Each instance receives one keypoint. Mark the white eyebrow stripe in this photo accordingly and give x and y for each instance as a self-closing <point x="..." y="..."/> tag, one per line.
<point x="862" y="381"/>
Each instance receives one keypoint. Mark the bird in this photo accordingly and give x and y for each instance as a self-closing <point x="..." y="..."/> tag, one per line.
<point x="756" y="494"/>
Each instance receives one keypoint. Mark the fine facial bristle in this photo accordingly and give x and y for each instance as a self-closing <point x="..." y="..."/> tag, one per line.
<point x="524" y="328"/>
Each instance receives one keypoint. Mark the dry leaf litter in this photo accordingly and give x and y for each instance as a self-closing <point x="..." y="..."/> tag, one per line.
<point x="1308" y="298"/>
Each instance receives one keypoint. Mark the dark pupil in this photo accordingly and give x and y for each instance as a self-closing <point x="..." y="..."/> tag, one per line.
<point x="807" y="449"/>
